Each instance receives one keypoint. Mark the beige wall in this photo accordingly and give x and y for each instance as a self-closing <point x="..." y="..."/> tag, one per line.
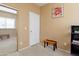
<point x="23" y="21"/>
<point x="55" y="28"/>
<point x="59" y="28"/>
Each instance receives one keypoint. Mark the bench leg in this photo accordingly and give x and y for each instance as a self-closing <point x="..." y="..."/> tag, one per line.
<point x="47" y="43"/>
<point x="1" y="38"/>
<point x="7" y="36"/>
<point x="54" y="47"/>
<point x="44" y="44"/>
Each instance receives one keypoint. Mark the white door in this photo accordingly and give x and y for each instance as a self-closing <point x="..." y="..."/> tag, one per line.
<point x="34" y="28"/>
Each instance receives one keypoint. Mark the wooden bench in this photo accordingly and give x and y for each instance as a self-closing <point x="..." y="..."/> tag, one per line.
<point x="3" y="35"/>
<point x="50" y="42"/>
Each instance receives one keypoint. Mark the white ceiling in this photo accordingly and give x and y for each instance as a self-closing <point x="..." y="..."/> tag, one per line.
<point x="40" y="4"/>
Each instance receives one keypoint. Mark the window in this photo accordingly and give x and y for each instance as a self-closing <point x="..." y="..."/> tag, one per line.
<point x="7" y="23"/>
<point x="10" y="23"/>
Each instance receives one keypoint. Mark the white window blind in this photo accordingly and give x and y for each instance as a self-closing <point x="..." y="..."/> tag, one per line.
<point x="7" y="23"/>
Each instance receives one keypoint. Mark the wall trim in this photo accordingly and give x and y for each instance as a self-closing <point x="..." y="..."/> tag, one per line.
<point x="24" y="48"/>
<point x="64" y="50"/>
<point x="31" y="46"/>
<point x="27" y="47"/>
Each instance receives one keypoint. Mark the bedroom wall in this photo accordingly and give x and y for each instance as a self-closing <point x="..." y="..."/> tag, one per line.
<point x="59" y="29"/>
<point x="23" y="21"/>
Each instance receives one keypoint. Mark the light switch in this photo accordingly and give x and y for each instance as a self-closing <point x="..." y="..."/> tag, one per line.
<point x="21" y="43"/>
<point x="25" y="28"/>
<point x="65" y="44"/>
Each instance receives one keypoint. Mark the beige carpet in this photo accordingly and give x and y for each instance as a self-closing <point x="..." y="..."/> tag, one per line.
<point x="7" y="46"/>
<point x="39" y="50"/>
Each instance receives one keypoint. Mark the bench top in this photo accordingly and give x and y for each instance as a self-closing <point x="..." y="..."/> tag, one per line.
<point x="3" y="34"/>
<point x="50" y="40"/>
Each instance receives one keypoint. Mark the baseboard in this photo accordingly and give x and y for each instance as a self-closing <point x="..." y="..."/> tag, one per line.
<point x="64" y="50"/>
<point x="23" y="48"/>
<point x="58" y="48"/>
<point x="19" y="50"/>
<point x="27" y="47"/>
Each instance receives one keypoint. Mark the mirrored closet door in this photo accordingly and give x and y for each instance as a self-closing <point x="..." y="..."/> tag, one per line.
<point x="8" y="33"/>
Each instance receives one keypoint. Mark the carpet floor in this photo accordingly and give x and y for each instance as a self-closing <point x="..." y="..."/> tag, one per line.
<point x="39" y="50"/>
<point x="8" y="46"/>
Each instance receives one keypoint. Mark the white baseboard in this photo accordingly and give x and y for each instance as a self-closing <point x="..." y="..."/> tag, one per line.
<point x="64" y="50"/>
<point x="27" y="47"/>
<point x="23" y="48"/>
<point x="32" y="45"/>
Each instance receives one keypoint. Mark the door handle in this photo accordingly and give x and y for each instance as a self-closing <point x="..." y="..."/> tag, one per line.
<point x="30" y="31"/>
